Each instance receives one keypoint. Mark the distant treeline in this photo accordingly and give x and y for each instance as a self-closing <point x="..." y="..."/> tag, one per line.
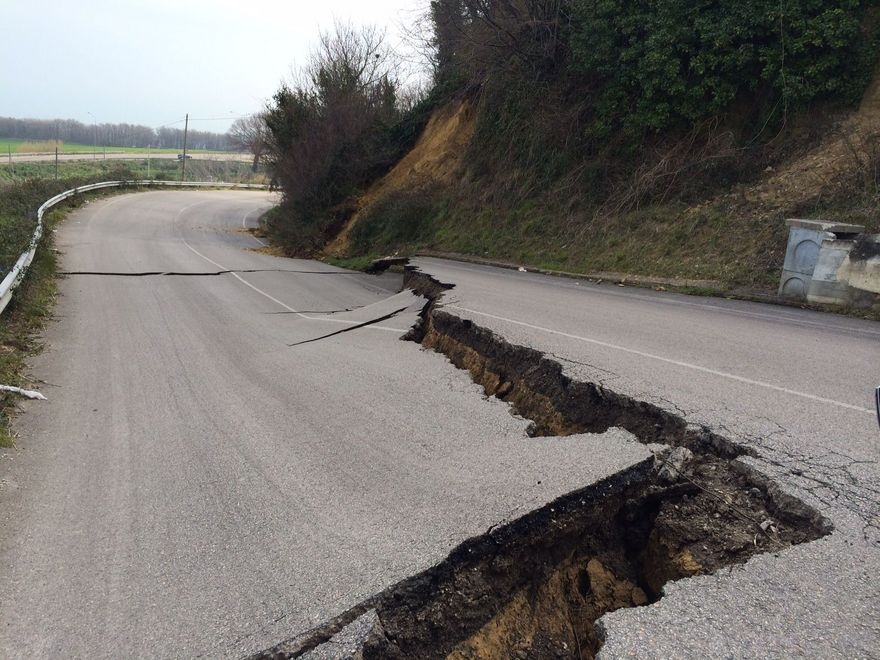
<point x="108" y="135"/>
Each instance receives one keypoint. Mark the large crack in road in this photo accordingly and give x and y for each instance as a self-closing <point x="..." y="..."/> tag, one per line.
<point x="538" y="586"/>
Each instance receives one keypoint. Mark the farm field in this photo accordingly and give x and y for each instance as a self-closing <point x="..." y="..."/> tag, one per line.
<point x="19" y="146"/>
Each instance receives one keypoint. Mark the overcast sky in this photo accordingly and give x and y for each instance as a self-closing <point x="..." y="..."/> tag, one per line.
<point x="152" y="61"/>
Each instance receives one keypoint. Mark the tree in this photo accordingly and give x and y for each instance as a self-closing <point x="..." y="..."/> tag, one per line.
<point x="327" y="134"/>
<point x="662" y="64"/>
<point x="250" y="134"/>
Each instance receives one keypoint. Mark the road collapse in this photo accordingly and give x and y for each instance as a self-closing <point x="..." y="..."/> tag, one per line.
<point x="537" y="586"/>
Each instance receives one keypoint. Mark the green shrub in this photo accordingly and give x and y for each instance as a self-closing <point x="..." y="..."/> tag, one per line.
<point x="660" y="64"/>
<point x="333" y="133"/>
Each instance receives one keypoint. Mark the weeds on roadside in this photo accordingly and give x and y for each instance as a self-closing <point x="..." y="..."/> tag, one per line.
<point x="23" y="319"/>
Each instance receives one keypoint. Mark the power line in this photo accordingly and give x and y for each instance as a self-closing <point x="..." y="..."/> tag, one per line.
<point x="171" y="123"/>
<point x="227" y="118"/>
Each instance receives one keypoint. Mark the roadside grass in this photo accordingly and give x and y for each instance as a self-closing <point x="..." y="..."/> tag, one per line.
<point x="739" y="247"/>
<point x="14" y="237"/>
<point x="23" y="320"/>
<point x="31" y="306"/>
<point x="352" y="263"/>
<point x="733" y="241"/>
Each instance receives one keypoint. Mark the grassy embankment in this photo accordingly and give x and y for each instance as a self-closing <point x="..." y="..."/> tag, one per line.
<point x="31" y="306"/>
<point x="609" y="137"/>
<point x="735" y="238"/>
<point x="727" y="228"/>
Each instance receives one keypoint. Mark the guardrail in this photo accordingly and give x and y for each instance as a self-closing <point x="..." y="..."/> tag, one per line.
<point x="18" y="271"/>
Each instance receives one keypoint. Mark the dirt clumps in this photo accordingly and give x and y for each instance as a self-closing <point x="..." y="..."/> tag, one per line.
<point x="539" y="621"/>
<point x="536" y="587"/>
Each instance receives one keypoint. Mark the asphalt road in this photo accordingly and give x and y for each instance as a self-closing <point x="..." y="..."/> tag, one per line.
<point x="195" y="486"/>
<point x="793" y="384"/>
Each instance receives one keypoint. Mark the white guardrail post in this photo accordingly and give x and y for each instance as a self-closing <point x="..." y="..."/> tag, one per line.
<point x="18" y="271"/>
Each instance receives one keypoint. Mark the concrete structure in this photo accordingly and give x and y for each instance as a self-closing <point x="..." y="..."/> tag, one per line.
<point x="861" y="268"/>
<point x="831" y="263"/>
<point x="826" y="286"/>
<point x="804" y="244"/>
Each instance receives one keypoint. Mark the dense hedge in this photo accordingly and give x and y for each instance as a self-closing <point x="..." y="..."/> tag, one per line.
<point x="661" y="63"/>
<point x="332" y="133"/>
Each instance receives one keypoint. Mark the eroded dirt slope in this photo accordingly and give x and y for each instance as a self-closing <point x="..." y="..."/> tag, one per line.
<point x="844" y="151"/>
<point x="436" y="158"/>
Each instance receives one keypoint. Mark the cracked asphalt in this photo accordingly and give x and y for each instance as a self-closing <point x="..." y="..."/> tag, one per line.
<point x="792" y="384"/>
<point x="195" y="486"/>
<point x="218" y="468"/>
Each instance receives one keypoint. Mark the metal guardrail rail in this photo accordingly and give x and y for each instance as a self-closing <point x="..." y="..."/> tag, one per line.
<point x="18" y="271"/>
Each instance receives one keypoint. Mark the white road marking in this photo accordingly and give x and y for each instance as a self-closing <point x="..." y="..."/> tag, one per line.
<point x="272" y="298"/>
<point x="275" y="300"/>
<point x="244" y="225"/>
<point x="678" y="363"/>
<point x="780" y="317"/>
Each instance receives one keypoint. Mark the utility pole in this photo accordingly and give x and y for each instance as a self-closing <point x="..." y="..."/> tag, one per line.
<point x="185" y="128"/>
<point x="95" y="144"/>
<point x="148" y="162"/>
<point x="56" y="161"/>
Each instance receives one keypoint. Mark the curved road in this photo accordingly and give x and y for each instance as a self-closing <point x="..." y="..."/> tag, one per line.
<point x="197" y="487"/>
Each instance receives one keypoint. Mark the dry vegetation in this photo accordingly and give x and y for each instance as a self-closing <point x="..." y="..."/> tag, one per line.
<point x="541" y="148"/>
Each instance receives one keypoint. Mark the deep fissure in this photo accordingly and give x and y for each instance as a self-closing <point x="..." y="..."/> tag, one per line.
<point x="536" y="586"/>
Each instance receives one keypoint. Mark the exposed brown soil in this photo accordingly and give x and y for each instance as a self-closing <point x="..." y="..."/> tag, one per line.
<point x="538" y="390"/>
<point x="436" y="158"/>
<point x="846" y="150"/>
<point x="536" y="587"/>
<point x="843" y="151"/>
<point x="271" y="250"/>
<point x="540" y="621"/>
